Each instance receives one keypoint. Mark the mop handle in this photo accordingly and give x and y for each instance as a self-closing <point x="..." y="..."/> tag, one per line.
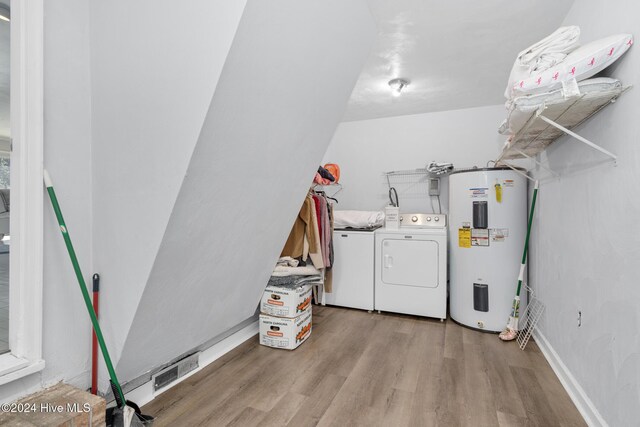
<point x="526" y="241"/>
<point x="83" y="286"/>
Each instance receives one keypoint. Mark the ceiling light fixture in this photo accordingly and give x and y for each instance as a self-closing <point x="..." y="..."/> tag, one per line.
<point x="397" y="85"/>
<point x="5" y="13"/>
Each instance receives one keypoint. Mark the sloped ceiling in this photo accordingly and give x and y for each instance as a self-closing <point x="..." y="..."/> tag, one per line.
<point x="282" y="92"/>
<point x="151" y="90"/>
<point x="455" y="54"/>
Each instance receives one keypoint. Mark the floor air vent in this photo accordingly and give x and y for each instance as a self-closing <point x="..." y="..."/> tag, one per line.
<point x="175" y="371"/>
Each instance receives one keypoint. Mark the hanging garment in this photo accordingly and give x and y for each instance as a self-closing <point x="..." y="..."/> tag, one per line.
<point x="325" y="230"/>
<point x="328" y="277"/>
<point x="294" y="247"/>
<point x="315" y="253"/>
<point x="316" y="201"/>
<point x="331" y="258"/>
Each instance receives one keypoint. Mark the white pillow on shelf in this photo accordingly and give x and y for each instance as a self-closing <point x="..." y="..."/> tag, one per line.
<point x="580" y="64"/>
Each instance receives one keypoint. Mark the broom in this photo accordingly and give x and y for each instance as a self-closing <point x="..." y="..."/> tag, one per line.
<point x="511" y="330"/>
<point x="127" y="413"/>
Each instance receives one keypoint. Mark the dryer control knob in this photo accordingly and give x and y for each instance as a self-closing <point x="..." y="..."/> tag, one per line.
<point x="428" y="218"/>
<point x="437" y="218"/>
<point x="414" y="218"/>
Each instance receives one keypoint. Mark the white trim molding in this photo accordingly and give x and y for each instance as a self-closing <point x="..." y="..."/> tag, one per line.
<point x="145" y="393"/>
<point x="575" y="391"/>
<point x="27" y="125"/>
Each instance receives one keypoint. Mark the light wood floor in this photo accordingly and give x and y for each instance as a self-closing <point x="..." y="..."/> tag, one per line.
<point x="360" y="368"/>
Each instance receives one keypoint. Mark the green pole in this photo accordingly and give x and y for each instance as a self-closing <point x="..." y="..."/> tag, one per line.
<point x="83" y="286"/>
<point x="526" y="241"/>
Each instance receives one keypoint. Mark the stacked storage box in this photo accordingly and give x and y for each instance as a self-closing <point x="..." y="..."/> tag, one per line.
<point x="285" y="319"/>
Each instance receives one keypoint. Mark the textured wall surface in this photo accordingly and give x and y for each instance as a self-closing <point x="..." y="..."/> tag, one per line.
<point x="368" y="148"/>
<point x="585" y="251"/>
<point x="277" y="104"/>
<point x="66" y="336"/>
<point x="154" y="68"/>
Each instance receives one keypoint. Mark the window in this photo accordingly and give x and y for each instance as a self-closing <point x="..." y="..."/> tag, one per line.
<point x="5" y="177"/>
<point x="26" y="208"/>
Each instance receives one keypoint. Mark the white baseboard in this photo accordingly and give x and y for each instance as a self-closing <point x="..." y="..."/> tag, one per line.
<point x="145" y="393"/>
<point x="577" y="394"/>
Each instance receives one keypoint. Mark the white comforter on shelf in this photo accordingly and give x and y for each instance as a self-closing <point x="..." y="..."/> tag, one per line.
<point x="558" y="61"/>
<point x="543" y="55"/>
<point x="357" y="219"/>
<point x="557" y="71"/>
<point x="521" y="108"/>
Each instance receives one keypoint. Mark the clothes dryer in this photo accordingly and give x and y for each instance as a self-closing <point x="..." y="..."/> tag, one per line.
<point x="411" y="266"/>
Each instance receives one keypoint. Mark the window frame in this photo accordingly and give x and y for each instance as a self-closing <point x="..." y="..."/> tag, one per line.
<point x="27" y="192"/>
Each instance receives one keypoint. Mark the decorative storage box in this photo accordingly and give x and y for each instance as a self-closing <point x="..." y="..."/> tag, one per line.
<point x="283" y="332"/>
<point x="286" y="300"/>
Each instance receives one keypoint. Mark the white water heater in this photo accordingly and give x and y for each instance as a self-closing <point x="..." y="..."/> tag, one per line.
<point x="487" y="228"/>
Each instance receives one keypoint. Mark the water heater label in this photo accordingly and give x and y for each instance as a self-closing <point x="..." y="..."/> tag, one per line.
<point x="498" y="234"/>
<point x="508" y="183"/>
<point x="479" y="237"/>
<point x="479" y="192"/>
<point x="464" y="237"/>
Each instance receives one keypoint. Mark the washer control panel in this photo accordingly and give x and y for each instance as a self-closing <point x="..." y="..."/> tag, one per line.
<point x="423" y="220"/>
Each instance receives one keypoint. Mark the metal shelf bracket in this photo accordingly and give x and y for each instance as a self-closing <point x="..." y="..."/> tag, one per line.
<point x="576" y="136"/>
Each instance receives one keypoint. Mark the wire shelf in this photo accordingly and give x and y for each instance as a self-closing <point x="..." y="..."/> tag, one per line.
<point x="552" y="121"/>
<point x="410" y="182"/>
<point x="529" y="318"/>
<point x="409" y="172"/>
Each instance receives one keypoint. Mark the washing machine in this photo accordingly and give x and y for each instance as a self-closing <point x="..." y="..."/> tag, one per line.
<point x="411" y="266"/>
<point x="352" y="269"/>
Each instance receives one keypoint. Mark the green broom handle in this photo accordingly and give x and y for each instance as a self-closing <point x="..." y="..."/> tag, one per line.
<point x="83" y="286"/>
<point x="526" y="241"/>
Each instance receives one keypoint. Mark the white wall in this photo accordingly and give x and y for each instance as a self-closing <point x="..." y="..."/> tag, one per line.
<point x="127" y="88"/>
<point x="365" y="149"/>
<point x="154" y="65"/>
<point x="585" y="251"/>
<point x="67" y="156"/>
<point x="279" y="100"/>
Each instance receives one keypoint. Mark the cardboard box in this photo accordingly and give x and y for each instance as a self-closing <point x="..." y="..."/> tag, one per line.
<point x="286" y="300"/>
<point x="283" y="332"/>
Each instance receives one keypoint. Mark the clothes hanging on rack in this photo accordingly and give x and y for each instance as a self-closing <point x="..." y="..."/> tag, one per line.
<point x="311" y="238"/>
<point x="325" y="225"/>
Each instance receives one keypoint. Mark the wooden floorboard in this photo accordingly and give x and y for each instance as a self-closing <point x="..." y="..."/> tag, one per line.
<point x="360" y="368"/>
